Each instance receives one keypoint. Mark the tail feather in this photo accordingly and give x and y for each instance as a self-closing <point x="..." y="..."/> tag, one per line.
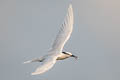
<point x="27" y="62"/>
<point x="34" y="60"/>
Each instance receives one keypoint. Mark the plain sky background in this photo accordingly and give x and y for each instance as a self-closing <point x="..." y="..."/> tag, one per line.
<point x="28" y="28"/>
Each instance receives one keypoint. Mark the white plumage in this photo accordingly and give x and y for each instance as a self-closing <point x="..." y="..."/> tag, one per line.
<point x="56" y="51"/>
<point x="46" y="65"/>
<point x="65" y="31"/>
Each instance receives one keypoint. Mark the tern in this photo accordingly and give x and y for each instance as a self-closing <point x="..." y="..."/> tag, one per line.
<point x="56" y="53"/>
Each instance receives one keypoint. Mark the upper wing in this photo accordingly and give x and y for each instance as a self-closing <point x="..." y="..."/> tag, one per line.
<point x="65" y="31"/>
<point x="47" y="64"/>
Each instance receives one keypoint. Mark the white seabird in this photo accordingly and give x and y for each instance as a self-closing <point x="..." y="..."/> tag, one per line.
<point x="56" y="52"/>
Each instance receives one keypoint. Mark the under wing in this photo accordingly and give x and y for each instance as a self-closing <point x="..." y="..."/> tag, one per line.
<point x="46" y="65"/>
<point x="65" y="31"/>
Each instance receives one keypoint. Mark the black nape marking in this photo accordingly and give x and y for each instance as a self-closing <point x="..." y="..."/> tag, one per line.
<point x="65" y="52"/>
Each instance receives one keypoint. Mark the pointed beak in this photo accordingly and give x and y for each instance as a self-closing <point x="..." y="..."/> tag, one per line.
<point x="74" y="57"/>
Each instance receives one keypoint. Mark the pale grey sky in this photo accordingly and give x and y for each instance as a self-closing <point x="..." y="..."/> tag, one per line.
<point x="28" y="28"/>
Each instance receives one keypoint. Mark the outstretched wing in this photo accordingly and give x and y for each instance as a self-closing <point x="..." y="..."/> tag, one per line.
<point x="47" y="64"/>
<point x="65" y="31"/>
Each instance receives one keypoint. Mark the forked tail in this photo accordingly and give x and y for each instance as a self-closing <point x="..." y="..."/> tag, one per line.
<point x="34" y="60"/>
<point x="27" y="62"/>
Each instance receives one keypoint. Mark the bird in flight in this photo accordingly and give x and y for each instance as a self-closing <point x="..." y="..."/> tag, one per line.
<point x="56" y="52"/>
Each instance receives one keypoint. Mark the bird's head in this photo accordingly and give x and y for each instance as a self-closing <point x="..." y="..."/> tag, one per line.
<point x="70" y="54"/>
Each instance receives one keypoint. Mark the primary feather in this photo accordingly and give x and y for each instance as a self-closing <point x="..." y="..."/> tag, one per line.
<point x="65" y="31"/>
